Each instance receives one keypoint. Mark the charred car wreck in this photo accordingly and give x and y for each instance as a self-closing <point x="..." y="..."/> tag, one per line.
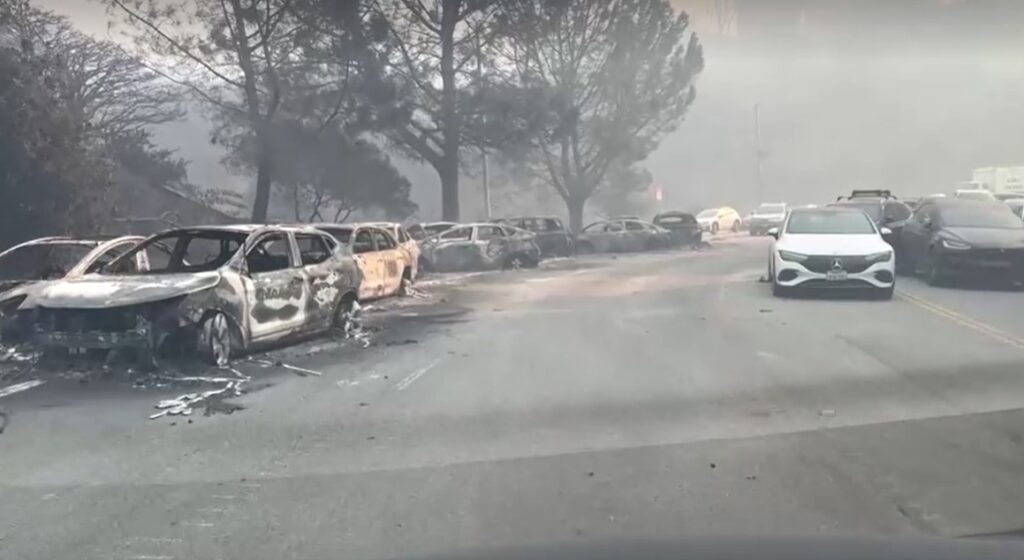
<point x="482" y="246"/>
<point x="219" y="290"/>
<point x="30" y="265"/>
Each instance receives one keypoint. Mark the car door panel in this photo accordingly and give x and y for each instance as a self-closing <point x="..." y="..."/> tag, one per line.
<point x="275" y="288"/>
<point x="369" y="263"/>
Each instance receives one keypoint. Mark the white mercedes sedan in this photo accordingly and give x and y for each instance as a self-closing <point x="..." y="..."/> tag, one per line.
<point x="831" y="248"/>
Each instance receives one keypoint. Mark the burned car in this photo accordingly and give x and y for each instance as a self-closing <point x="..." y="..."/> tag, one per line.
<point x="682" y="227"/>
<point x="25" y="267"/>
<point x="553" y="237"/>
<point x="385" y="265"/>
<point x="419" y="232"/>
<point x="480" y="246"/>
<point x="221" y="290"/>
<point x="619" y="236"/>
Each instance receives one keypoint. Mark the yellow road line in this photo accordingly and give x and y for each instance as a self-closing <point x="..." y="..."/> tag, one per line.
<point x="973" y="324"/>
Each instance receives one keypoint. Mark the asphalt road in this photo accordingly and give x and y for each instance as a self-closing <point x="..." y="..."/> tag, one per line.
<point x="643" y="396"/>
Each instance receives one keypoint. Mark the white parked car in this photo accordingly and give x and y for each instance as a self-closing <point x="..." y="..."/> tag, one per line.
<point x="714" y="220"/>
<point x="831" y="248"/>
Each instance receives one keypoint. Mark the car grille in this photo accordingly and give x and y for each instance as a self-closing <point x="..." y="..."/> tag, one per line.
<point x="838" y="285"/>
<point x="823" y="263"/>
<point x="88" y="320"/>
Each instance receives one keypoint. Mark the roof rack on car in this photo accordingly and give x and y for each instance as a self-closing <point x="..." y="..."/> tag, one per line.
<point x="867" y="193"/>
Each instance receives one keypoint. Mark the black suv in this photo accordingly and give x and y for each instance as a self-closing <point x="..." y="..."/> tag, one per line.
<point x="884" y="209"/>
<point x="553" y="238"/>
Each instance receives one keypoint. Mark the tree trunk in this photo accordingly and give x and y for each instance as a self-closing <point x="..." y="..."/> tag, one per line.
<point x="575" y="206"/>
<point x="449" y="174"/>
<point x="451" y="127"/>
<point x="263" y="182"/>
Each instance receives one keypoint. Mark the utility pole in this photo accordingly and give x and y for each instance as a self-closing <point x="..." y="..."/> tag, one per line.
<point x="759" y="154"/>
<point x="483" y="150"/>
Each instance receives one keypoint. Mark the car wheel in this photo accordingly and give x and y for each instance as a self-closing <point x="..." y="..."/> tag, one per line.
<point x="216" y="341"/>
<point x="933" y="273"/>
<point x="714" y="228"/>
<point x="735" y="226"/>
<point x="780" y="291"/>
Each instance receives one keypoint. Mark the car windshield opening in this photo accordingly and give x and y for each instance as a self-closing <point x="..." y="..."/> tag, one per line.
<point x="996" y="216"/>
<point x="828" y="223"/>
<point x="342" y="234"/>
<point x="190" y="251"/>
<point x="43" y="261"/>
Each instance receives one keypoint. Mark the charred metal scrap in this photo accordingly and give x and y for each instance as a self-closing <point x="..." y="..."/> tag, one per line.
<point x="219" y="291"/>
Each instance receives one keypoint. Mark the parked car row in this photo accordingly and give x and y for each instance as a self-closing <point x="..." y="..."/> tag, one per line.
<point x="941" y="239"/>
<point x="218" y="290"/>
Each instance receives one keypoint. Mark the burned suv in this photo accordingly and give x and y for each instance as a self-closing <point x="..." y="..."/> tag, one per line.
<point x="551" y="234"/>
<point x="220" y="290"/>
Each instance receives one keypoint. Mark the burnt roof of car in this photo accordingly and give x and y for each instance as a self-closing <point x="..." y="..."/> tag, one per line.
<point x="672" y="213"/>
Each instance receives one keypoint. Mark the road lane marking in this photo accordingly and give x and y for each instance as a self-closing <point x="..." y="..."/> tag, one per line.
<point x="412" y="377"/>
<point x="963" y="321"/>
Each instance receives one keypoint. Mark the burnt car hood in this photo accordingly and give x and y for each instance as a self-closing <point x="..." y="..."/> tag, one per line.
<point x="989" y="238"/>
<point x="98" y="291"/>
<point x="8" y="285"/>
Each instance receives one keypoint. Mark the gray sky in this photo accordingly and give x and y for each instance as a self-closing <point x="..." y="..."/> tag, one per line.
<point x="906" y="94"/>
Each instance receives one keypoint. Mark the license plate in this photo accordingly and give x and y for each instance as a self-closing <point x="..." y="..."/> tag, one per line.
<point x="835" y="276"/>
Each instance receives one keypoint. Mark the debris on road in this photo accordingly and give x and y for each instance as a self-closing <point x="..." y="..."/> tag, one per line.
<point x="302" y="371"/>
<point x="211" y="400"/>
<point x="354" y="329"/>
<point x="827" y="412"/>
<point x="19" y="387"/>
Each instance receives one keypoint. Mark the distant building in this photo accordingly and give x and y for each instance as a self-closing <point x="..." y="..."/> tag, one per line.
<point x="145" y="208"/>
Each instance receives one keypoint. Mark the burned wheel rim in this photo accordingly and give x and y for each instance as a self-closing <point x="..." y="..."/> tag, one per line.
<point x="216" y="340"/>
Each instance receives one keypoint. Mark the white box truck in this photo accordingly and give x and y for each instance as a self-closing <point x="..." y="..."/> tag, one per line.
<point x="1005" y="180"/>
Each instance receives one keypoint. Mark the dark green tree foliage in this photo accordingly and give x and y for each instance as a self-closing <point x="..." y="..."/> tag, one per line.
<point x="327" y="174"/>
<point x="618" y="76"/>
<point x="53" y="179"/>
<point x="237" y="56"/>
<point x="432" y="53"/>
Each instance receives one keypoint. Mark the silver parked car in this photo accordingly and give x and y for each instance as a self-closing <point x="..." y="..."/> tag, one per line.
<point x="219" y="289"/>
<point x="615" y="236"/>
<point x="480" y="247"/>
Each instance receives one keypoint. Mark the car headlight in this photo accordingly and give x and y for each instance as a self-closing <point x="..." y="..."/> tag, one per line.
<point x="884" y="256"/>
<point x="955" y="245"/>
<point x="792" y="257"/>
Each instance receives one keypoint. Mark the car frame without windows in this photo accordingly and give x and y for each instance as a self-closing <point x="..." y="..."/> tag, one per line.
<point x="258" y="288"/>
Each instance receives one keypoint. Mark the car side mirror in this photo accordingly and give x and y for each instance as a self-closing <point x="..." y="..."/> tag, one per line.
<point x="774" y="232"/>
<point x="885" y="231"/>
